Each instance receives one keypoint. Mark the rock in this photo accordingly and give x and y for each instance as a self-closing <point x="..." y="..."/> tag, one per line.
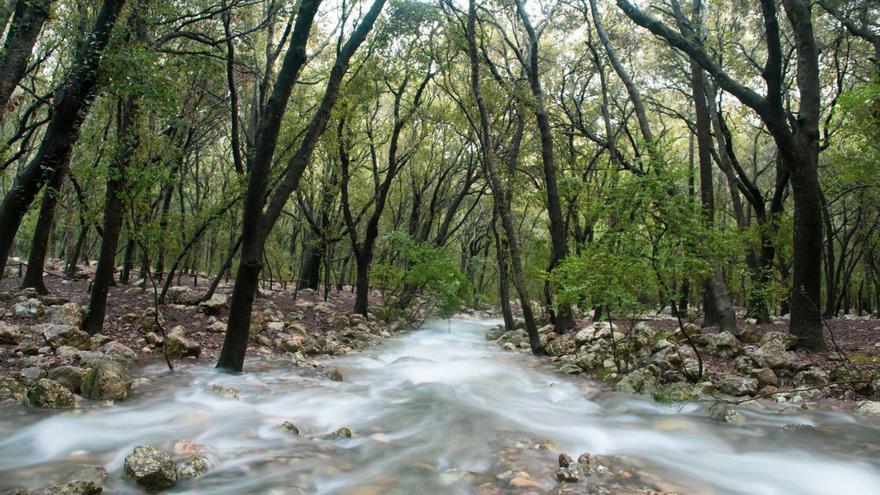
<point x="69" y="376"/>
<point x="570" y="369"/>
<point x="182" y="295"/>
<point x="640" y="381"/>
<point x="150" y="468"/>
<point x="276" y="326"/>
<point x="107" y="380"/>
<point x="214" y="305"/>
<point x="193" y="467"/>
<point x="118" y="352"/>
<point x="565" y="460"/>
<point x="31" y="308"/>
<point x="567" y="475"/>
<point x="588" y="465"/>
<point x="723" y="344"/>
<point x="32" y="373"/>
<point x="341" y="322"/>
<point x="9" y="334"/>
<point x="130" y="318"/>
<point x="868" y="407"/>
<point x="223" y="391"/>
<point x="336" y="375"/>
<point x="66" y="314"/>
<point x="27" y="348"/>
<point x="561" y="345"/>
<point x="743" y="364"/>
<point x="178" y="345"/>
<point x="736" y="385"/>
<point x="495" y="332"/>
<point x="811" y="377"/>
<point x="340" y="433"/>
<point x="58" y="335"/>
<point x="299" y="343"/>
<point x="674" y="393"/>
<point x="772" y="354"/>
<point x="49" y="394"/>
<point x="784" y="340"/>
<point x="216" y="327"/>
<point x="288" y="427"/>
<point x="11" y="390"/>
<point x="749" y="336"/>
<point x="765" y="377"/>
<point x="78" y="487"/>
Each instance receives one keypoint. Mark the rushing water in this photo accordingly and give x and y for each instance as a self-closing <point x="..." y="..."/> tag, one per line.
<point x="435" y="411"/>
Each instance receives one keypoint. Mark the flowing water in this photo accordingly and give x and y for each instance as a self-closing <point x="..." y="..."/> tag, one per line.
<point x="436" y="411"/>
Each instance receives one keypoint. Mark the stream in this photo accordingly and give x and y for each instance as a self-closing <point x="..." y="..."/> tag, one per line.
<point x="435" y="411"/>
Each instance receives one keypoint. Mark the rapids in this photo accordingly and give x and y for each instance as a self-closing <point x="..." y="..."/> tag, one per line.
<point x="435" y="411"/>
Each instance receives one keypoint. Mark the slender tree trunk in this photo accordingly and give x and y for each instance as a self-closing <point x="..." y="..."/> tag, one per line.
<point x="28" y="18"/>
<point x="33" y="276"/>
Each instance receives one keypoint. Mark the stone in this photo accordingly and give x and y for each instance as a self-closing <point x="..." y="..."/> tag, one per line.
<point x="178" y="345"/>
<point x="77" y="487"/>
<point x="182" y="295"/>
<point x="214" y="305"/>
<point x="49" y="394"/>
<point x="107" y="380"/>
<point x="570" y="369"/>
<point x="288" y="427"/>
<point x="11" y="390"/>
<point x="193" y="466"/>
<point x="66" y="314"/>
<point x="9" y="334"/>
<point x="69" y="376"/>
<point x="589" y="464"/>
<point x="811" y="377"/>
<point x="749" y="336"/>
<point x="150" y="468"/>
<point x="495" y="332"/>
<point x="868" y="407"/>
<point x="341" y="433"/>
<point x="118" y="352"/>
<point x="640" y="381"/>
<point x="341" y="322"/>
<point x="32" y="373"/>
<point x="275" y="326"/>
<point x="723" y="344"/>
<point x="223" y="391"/>
<point x="59" y="335"/>
<point x="565" y="460"/>
<point x="567" y="475"/>
<point x="336" y="375"/>
<point x="30" y="308"/>
<point x="736" y="385"/>
<point x="561" y="345"/>
<point x="784" y="340"/>
<point x="772" y="354"/>
<point x="765" y="377"/>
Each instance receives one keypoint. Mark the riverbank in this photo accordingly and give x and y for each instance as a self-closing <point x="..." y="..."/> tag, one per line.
<point x="657" y="357"/>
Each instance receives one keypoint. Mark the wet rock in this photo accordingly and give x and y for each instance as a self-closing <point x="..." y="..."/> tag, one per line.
<point x="495" y="332"/>
<point x="567" y="475"/>
<point x="300" y="343"/>
<point x="811" y="377"/>
<point x="30" y="308"/>
<point x="589" y="465"/>
<point x="288" y="427"/>
<point x="729" y="383"/>
<point x="723" y="344"/>
<point x="11" y="390"/>
<point x="107" y="380"/>
<point x="340" y="434"/>
<point x="150" y="468"/>
<point x="565" y="460"/>
<point x="69" y="376"/>
<point x="868" y="407"/>
<point x="66" y="314"/>
<point x="9" y="334"/>
<point x="58" y="335"/>
<point x="214" y="305"/>
<point x="336" y="375"/>
<point x="674" y="393"/>
<point x="182" y="295"/>
<point x="570" y="369"/>
<point x="49" y="394"/>
<point x="78" y="487"/>
<point x="118" y="352"/>
<point x="223" y="391"/>
<point x="177" y="344"/>
<point x="640" y="381"/>
<point x="727" y="415"/>
<point x="193" y="467"/>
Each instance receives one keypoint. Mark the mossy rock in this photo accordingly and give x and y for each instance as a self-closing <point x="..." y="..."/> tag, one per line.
<point x="49" y="394"/>
<point x="674" y="392"/>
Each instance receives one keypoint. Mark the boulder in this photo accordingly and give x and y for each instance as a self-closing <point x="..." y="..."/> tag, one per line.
<point x="11" y="390"/>
<point x="9" y="334"/>
<point x="66" y="314"/>
<point x="811" y="377"/>
<point x="32" y="374"/>
<point x="107" y="380"/>
<point x="772" y="354"/>
<point x="736" y="385"/>
<point x="723" y="344"/>
<point x="868" y="407"/>
<point x="118" y="352"/>
<point x="561" y="345"/>
<point x="178" y="345"/>
<point x="640" y="381"/>
<point x="193" y="466"/>
<point x="49" y="394"/>
<point x="150" y="468"/>
<point x="58" y="335"/>
<point x="341" y="321"/>
<point x="30" y="308"/>
<point x="765" y="377"/>
<point x="749" y="336"/>
<point x="69" y="376"/>
<point x="186" y="296"/>
<point x="214" y="305"/>
<point x="784" y="340"/>
<point x="495" y="332"/>
<point x="76" y="487"/>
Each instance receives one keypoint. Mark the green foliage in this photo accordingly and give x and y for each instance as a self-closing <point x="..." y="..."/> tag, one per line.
<point x="419" y="268"/>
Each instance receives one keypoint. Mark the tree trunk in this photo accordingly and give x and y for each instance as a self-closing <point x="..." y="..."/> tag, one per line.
<point x="27" y="21"/>
<point x="33" y="276"/>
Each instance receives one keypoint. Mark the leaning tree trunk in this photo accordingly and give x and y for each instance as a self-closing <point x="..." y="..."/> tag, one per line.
<point x="28" y="18"/>
<point x="33" y="276"/>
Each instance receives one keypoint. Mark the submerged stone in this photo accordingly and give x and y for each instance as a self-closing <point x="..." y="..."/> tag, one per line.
<point x="150" y="468"/>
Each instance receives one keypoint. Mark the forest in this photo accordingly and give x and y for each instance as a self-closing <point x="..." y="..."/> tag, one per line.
<point x="439" y="246"/>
